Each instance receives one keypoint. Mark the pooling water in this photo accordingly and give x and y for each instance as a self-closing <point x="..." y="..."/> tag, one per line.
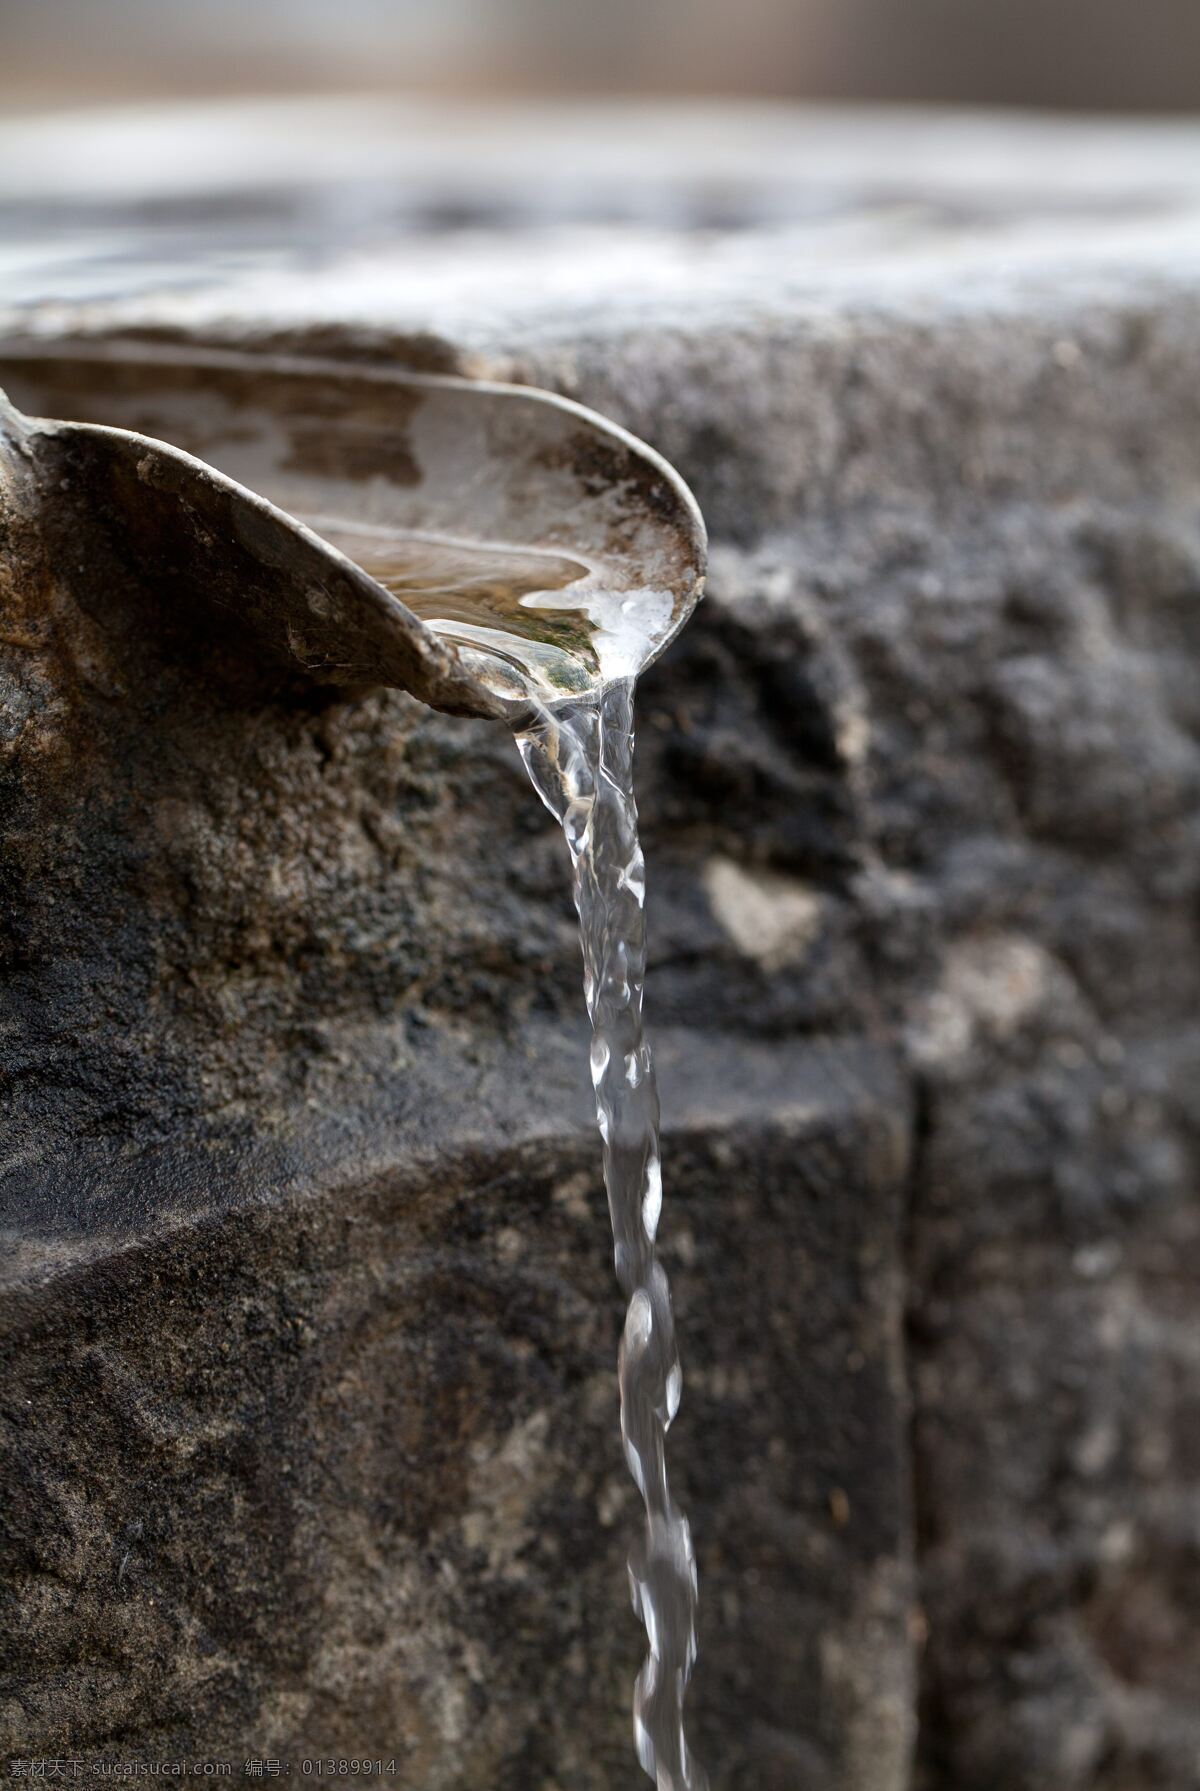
<point x="525" y="620"/>
<point x="580" y="759"/>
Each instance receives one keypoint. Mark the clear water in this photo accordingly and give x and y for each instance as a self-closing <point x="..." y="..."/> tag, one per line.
<point x="540" y="625"/>
<point x="525" y="619"/>
<point x="580" y="759"/>
<point x="520" y="615"/>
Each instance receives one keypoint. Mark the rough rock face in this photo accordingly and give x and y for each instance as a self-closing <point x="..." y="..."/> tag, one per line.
<point x="309" y="1403"/>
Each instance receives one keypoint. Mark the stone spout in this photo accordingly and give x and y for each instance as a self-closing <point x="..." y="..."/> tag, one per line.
<point x="364" y="528"/>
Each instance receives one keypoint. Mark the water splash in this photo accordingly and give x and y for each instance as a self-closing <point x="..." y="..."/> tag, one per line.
<point x="580" y="759"/>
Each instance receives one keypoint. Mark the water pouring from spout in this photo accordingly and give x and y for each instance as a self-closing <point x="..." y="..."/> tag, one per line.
<point x="497" y="552"/>
<point x="580" y="759"/>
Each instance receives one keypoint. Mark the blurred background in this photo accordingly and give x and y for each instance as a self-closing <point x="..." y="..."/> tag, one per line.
<point x="1131" y="55"/>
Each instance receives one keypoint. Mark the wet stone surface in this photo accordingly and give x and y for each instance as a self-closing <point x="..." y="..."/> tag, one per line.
<point x="309" y="1414"/>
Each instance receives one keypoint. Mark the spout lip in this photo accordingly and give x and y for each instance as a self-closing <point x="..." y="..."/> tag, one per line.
<point x="605" y="426"/>
<point x="427" y="663"/>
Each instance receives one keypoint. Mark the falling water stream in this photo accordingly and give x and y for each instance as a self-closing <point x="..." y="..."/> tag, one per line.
<point x="580" y="759"/>
<point x="570" y="654"/>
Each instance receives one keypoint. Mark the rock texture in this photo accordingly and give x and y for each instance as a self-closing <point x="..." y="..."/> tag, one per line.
<point x="308" y="1401"/>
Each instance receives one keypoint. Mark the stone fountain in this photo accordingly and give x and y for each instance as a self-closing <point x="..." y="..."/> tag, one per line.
<point x="308" y="1407"/>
